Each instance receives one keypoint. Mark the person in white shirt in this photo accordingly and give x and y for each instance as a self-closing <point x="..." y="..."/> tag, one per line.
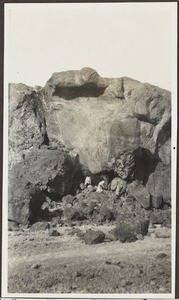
<point x="100" y="187"/>
<point x="87" y="181"/>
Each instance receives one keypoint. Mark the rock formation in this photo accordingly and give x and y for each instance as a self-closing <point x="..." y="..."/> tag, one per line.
<point x="81" y="123"/>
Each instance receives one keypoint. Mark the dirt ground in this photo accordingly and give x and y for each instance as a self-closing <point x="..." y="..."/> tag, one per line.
<point x="39" y="263"/>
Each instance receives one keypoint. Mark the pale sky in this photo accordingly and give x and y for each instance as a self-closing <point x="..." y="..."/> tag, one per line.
<point x="116" y="39"/>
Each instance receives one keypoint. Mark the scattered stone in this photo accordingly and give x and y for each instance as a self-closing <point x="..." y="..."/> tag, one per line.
<point x="53" y="232"/>
<point x="31" y="239"/>
<point x="141" y="194"/>
<point x="159" y="182"/>
<point x="162" y="217"/>
<point x="161" y="255"/>
<point x="106" y="213"/>
<point x="93" y="237"/>
<point x="140" y="237"/>
<point x="153" y="235"/>
<point x="164" y="234"/>
<point x="73" y="214"/>
<point x="40" y="226"/>
<point x="157" y="201"/>
<point x="138" y="272"/>
<point x="124" y="283"/>
<point x="77" y="274"/>
<point x="35" y="266"/>
<point x="68" y="199"/>
<point x="162" y="290"/>
<point x="90" y="275"/>
<point x="127" y="230"/>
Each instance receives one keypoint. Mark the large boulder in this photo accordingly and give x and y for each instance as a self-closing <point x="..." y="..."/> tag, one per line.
<point x="113" y="120"/>
<point x="80" y="122"/>
<point x="25" y="201"/>
<point x="127" y="230"/>
<point x="51" y="172"/>
<point x="92" y="237"/>
<point x="54" y="171"/>
<point x="141" y="194"/>
<point x="159" y="182"/>
<point x="27" y="125"/>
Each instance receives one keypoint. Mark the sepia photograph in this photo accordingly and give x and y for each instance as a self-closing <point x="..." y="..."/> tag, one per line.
<point x="89" y="167"/>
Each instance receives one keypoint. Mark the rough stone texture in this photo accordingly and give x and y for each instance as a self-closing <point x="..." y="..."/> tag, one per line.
<point x="38" y="226"/>
<point x="141" y="194"/>
<point x="27" y="125"/>
<point x="106" y="213"/>
<point x="93" y="237"/>
<point x="157" y="201"/>
<point x="25" y="201"/>
<point x="80" y="122"/>
<point x="68" y="199"/>
<point x="112" y="120"/>
<point x="127" y="230"/>
<point x="161" y="217"/>
<point x="52" y="171"/>
<point x="73" y="214"/>
<point x="118" y="185"/>
<point x="159" y="182"/>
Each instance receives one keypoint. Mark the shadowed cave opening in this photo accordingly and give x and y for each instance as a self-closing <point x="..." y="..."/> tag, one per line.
<point x="72" y="92"/>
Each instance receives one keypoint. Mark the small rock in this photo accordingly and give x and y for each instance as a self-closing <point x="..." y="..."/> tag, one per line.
<point x="161" y="255"/>
<point x="162" y="290"/>
<point x="77" y="274"/>
<point x="124" y="283"/>
<point x="90" y="275"/>
<point x="138" y="272"/>
<point x="140" y="237"/>
<point x="35" y="266"/>
<point x="31" y="239"/>
<point x="38" y="226"/>
<point x="157" y="201"/>
<point x="54" y="232"/>
<point x="93" y="237"/>
<point x="153" y="235"/>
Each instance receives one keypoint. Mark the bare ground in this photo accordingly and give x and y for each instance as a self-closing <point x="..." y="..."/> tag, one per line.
<point x="39" y="263"/>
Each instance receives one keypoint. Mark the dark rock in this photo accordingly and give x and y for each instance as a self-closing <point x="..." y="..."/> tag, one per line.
<point x="93" y="237"/>
<point x="161" y="255"/>
<point x="157" y="201"/>
<point x="162" y="217"/>
<point x="38" y="226"/>
<point x="77" y="274"/>
<point x="159" y="182"/>
<point x="25" y="201"/>
<point x="13" y="226"/>
<point x="73" y="214"/>
<point x="53" y="232"/>
<point x="133" y="143"/>
<point x="68" y="199"/>
<point x="127" y="230"/>
<point x="106" y="213"/>
<point x="35" y="266"/>
<point x="51" y="171"/>
<point x="141" y="195"/>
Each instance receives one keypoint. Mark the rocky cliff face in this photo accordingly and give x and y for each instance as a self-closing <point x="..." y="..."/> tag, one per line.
<point x="117" y="127"/>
